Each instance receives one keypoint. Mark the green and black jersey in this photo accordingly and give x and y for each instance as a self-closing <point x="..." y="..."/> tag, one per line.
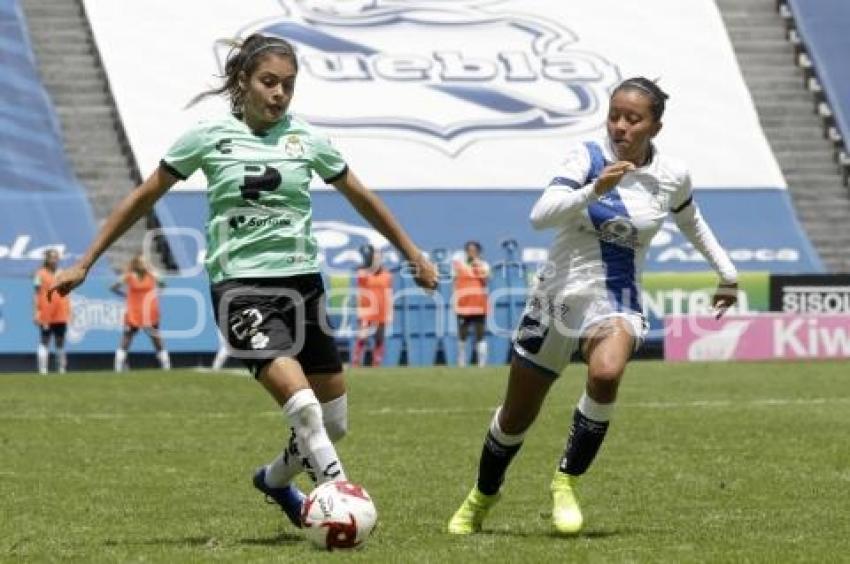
<point x="260" y="212"/>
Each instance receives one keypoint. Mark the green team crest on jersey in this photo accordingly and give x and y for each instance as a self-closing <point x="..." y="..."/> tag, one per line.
<point x="259" y="223"/>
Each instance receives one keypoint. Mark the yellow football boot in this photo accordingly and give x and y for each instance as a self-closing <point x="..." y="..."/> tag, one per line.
<point x="566" y="513"/>
<point x="468" y="518"/>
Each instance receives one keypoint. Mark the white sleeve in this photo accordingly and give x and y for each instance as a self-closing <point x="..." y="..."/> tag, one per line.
<point x="696" y="230"/>
<point x="557" y="206"/>
<point x="566" y="194"/>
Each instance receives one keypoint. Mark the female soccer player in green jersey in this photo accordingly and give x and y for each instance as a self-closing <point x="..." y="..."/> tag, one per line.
<point x="267" y="292"/>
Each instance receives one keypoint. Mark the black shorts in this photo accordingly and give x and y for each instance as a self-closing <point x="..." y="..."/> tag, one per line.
<point x="268" y="318"/>
<point x="149" y="329"/>
<point x="56" y="329"/>
<point x="470" y="321"/>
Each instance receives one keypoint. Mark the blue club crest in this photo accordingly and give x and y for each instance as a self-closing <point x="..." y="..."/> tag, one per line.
<point x="446" y="73"/>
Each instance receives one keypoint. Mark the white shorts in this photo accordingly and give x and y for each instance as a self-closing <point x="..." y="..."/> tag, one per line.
<point x="551" y="330"/>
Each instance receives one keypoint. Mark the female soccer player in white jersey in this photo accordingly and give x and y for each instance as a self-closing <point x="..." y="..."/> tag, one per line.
<point x="606" y="204"/>
<point x="267" y="292"/>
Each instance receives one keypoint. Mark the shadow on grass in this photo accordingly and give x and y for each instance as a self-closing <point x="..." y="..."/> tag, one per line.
<point x="547" y="533"/>
<point x="590" y="535"/>
<point x="207" y="542"/>
<point x="282" y="538"/>
<point x="184" y="541"/>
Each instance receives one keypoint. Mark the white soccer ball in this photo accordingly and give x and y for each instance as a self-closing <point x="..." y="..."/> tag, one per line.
<point x="338" y="515"/>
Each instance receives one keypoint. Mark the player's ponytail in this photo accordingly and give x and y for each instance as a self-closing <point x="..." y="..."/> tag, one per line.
<point x="648" y="88"/>
<point x="244" y="57"/>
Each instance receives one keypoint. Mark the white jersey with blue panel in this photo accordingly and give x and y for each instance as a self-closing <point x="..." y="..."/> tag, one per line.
<point x="601" y="242"/>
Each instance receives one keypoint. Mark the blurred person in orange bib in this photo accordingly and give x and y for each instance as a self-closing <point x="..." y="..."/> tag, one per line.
<point x="142" y="311"/>
<point x="470" y="300"/>
<point x="51" y="315"/>
<point x="374" y="305"/>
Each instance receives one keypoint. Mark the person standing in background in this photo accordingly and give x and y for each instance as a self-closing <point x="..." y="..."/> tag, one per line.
<point x="470" y="298"/>
<point x="374" y="305"/>
<point x="50" y="315"/>
<point x="142" y="311"/>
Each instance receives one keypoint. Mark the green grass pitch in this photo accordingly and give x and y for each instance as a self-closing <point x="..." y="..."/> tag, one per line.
<point x="703" y="463"/>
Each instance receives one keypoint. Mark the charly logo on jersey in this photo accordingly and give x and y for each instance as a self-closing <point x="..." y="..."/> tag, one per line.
<point x="293" y="147"/>
<point x="446" y="73"/>
<point x="620" y="231"/>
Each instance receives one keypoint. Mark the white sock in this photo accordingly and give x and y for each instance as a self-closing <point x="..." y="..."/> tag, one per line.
<point x="120" y="360"/>
<point x="282" y="470"/>
<point x="335" y="417"/>
<point x="317" y="451"/>
<point x="501" y="437"/>
<point x="461" y="353"/>
<point x="481" y="351"/>
<point x="220" y="358"/>
<point x="41" y="356"/>
<point x="164" y="359"/>
<point x="593" y="410"/>
<point x="62" y="359"/>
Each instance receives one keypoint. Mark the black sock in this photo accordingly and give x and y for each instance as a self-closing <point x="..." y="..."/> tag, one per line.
<point x="585" y="439"/>
<point x="495" y="458"/>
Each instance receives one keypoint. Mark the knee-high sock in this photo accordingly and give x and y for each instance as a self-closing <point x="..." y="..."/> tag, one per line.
<point x="62" y="360"/>
<point x="481" y="351"/>
<point x="335" y="416"/>
<point x="120" y="360"/>
<point x="318" y="454"/>
<point x="590" y="423"/>
<point x="283" y="469"/>
<point x="41" y="355"/>
<point x="499" y="449"/>
<point x="164" y="359"/>
<point x="461" y="352"/>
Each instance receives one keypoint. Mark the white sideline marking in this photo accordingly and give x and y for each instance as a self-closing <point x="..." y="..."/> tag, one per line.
<point x="764" y="402"/>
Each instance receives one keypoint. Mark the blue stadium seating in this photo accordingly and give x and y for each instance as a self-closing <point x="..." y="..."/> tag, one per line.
<point x="43" y="204"/>
<point x="823" y="26"/>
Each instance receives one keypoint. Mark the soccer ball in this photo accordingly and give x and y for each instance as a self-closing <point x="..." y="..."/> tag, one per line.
<point x="338" y="515"/>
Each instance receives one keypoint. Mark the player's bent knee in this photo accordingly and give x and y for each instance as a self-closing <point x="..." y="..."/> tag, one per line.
<point x="606" y="370"/>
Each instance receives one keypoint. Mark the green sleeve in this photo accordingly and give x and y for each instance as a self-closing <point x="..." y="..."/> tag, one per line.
<point x="184" y="156"/>
<point x="327" y="162"/>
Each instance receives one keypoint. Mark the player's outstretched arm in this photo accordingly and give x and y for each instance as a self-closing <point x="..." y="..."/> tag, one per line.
<point x="135" y="205"/>
<point x="379" y="216"/>
<point x="699" y="234"/>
